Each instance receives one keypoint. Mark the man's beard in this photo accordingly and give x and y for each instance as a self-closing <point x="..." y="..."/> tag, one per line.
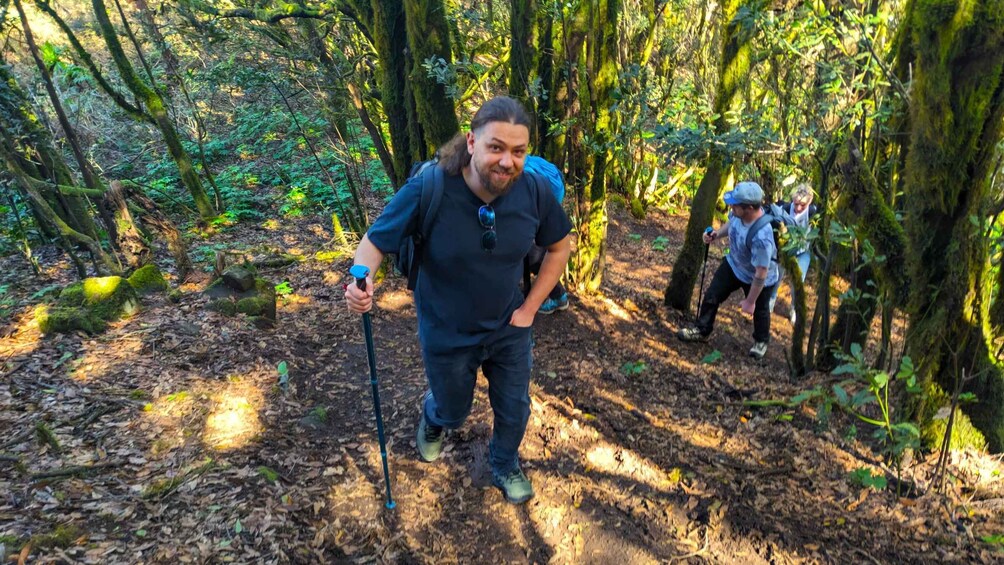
<point x="485" y="176"/>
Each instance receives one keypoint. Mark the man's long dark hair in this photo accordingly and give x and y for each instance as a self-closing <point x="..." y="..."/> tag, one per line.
<point x="453" y="156"/>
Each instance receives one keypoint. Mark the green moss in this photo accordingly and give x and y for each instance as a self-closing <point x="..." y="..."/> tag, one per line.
<point x="224" y="306"/>
<point x="175" y="296"/>
<point x="252" y="306"/>
<point x="62" y="537"/>
<point x="57" y="319"/>
<point x="147" y="279"/>
<point x="932" y="432"/>
<point x="72" y="295"/>
<point x="637" y="209"/>
<point x="13" y="543"/>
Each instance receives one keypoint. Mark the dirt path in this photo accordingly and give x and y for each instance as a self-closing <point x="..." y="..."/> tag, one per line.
<point x="639" y="451"/>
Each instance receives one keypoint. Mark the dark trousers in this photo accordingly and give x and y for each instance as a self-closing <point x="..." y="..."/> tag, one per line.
<point x="723" y="284"/>
<point x="506" y="362"/>
<point x="536" y="258"/>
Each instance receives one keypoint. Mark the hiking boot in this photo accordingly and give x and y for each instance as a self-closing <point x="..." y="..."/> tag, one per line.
<point x="430" y="440"/>
<point x="758" y="350"/>
<point x="691" y="334"/>
<point x="551" y="305"/>
<point x="514" y="485"/>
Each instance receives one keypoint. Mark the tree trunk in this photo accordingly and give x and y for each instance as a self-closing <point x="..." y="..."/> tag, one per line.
<point x="521" y="20"/>
<point x="154" y="104"/>
<point x="134" y="249"/>
<point x="734" y="68"/>
<point x="956" y="112"/>
<point x="429" y="37"/>
<point x="155" y="220"/>
<point x="391" y="43"/>
<point x="590" y="253"/>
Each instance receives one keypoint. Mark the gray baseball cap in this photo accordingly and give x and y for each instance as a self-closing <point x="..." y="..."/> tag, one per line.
<point x="746" y="192"/>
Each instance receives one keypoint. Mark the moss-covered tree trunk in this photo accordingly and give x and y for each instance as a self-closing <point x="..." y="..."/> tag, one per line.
<point x="521" y="48"/>
<point x="734" y="68"/>
<point x="154" y="104"/>
<point x="545" y="73"/>
<point x="391" y="43"/>
<point x="590" y="253"/>
<point x="429" y="39"/>
<point x="956" y="112"/>
<point x="31" y="146"/>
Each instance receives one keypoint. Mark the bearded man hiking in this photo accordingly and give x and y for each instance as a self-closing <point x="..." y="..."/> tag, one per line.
<point x="471" y="311"/>
<point x="752" y="268"/>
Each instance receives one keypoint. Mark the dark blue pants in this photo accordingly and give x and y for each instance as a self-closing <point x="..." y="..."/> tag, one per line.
<point x="506" y="361"/>
<point x="723" y="284"/>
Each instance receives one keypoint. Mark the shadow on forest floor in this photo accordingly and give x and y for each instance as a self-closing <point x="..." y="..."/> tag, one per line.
<point x="639" y="451"/>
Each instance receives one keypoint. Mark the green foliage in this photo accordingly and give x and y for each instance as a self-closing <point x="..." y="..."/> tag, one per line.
<point x="284" y="288"/>
<point x="863" y="477"/>
<point x="712" y="357"/>
<point x="868" y="392"/>
<point x="659" y="243"/>
<point x="268" y="473"/>
<point x="632" y="369"/>
<point x="996" y="540"/>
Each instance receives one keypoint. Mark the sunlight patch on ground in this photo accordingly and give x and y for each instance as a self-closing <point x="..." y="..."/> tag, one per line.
<point x="98" y="359"/>
<point x="394" y="301"/>
<point x="26" y="337"/>
<point x="616" y="310"/>
<point x="294" y="302"/>
<point x="614" y="460"/>
<point x="234" y="420"/>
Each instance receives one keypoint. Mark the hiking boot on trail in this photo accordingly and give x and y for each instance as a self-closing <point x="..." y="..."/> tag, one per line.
<point x="691" y="334"/>
<point x="514" y="485"/>
<point x="758" y="350"/>
<point x="551" y="305"/>
<point x="430" y="440"/>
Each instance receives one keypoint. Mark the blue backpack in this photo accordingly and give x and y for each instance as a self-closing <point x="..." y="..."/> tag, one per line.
<point x="779" y="220"/>
<point x="538" y="171"/>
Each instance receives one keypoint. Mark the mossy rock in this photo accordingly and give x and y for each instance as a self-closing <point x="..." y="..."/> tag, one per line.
<point x="258" y="303"/>
<point x="175" y="296"/>
<point x="224" y="306"/>
<point x="87" y="305"/>
<point x="239" y="278"/>
<point x="148" y="279"/>
<point x="67" y="319"/>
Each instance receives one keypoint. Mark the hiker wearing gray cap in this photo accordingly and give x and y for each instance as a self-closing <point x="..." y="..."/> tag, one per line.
<point x="750" y="265"/>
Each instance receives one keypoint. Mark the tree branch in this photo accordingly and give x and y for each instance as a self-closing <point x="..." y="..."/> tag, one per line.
<point x="116" y="96"/>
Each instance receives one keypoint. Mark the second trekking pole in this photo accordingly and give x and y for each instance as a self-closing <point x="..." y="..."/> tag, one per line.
<point x="360" y="272"/>
<point x="704" y="271"/>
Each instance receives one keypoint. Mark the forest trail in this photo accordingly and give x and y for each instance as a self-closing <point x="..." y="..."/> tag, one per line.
<point x="639" y="447"/>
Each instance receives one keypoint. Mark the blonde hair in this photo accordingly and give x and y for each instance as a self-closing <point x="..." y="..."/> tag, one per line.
<point x="802" y="193"/>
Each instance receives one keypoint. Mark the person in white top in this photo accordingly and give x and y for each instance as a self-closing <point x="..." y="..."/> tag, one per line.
<point x="802" y="209"/>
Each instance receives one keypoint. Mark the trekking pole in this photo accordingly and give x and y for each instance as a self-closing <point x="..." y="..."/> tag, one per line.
<point x="360" y="272"/>
<point x="704" y="271"/>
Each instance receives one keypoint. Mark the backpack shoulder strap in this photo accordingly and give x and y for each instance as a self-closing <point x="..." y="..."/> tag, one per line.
<point x="432" y="195"/>
<point x="534" y="181"/>
<point x="757" y="226"/>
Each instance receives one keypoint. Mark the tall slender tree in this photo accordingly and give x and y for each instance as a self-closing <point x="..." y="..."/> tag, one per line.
<point x="733" y="71"/>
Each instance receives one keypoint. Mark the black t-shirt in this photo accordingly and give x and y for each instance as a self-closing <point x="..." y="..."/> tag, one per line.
<point x="465" y="294"/>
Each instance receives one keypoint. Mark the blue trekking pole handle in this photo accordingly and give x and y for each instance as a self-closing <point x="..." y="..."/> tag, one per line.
<point x="360" y="272"/>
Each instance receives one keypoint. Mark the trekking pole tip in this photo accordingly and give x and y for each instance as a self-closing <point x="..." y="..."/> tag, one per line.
<point x="391" y="504"/>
